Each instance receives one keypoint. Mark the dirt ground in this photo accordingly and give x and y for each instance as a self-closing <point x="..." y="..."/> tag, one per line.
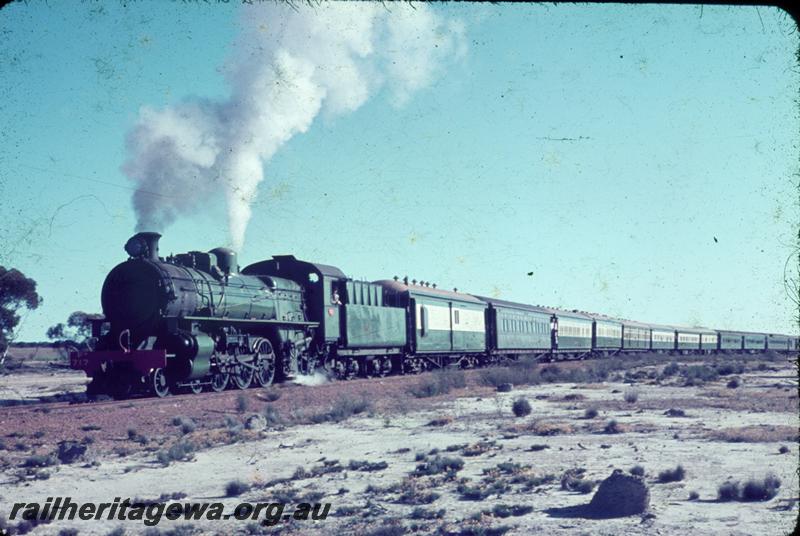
<point x="512" y="465"/>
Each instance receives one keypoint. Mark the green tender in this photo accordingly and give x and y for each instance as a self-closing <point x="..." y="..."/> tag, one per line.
<point x="374" y="327"/>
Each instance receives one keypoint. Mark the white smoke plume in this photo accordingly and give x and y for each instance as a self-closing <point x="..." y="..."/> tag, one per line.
<point x="288" y="65"/>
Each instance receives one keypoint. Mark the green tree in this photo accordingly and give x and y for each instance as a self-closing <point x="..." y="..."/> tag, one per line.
<point x="16" y="292"/>
<point x="77" y="329"/>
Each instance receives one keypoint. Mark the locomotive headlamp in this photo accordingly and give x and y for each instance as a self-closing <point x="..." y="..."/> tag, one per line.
<point x="136" y="246"/>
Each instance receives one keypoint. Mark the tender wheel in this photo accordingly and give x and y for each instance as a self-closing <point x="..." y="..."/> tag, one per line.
<point x="386" y="366"/>
<point x="372" y="368"/>
<point x="159" y="383"/>
<point x="242" y="376"/>
<point x="265" y="369"/>
<point x="339" y="369"/>
<point x="380" y="367"/>
<point x="352" y="368"/>
<point x="345" y="369"/>
<point x="219" y="382"/>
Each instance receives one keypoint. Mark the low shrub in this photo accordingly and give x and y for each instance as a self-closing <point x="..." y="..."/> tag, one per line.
<point x="612" y="427"/>
<point x="242" y="403"/>
<point x="637" y="470"/>
<point x="441" y="421"/>
<point x="673" y="412"/>
<point x="439" y="464"/>
<point x="693" y="496"/>
<point x="180" y="451"/>
<point x="698" y="374"/>
<point x="364" y="465"/>
<point x="631" y="396"/>
<point x="728" y="491"/>
<point x="39" y="460"/>
<point x="761" y="489"/>
<point x="423" y="513"/>
<point x="783" y="450"/>
<point x="533" y="481"/>
<point x="521" y="407"/>
<point x="516" y="510"/>
<point x="583" y="486"/>
<point x="343" y="408"/>
<point x="523" y="372"/>
<point x="186" y="424"/>
<point x="590" y="413"/>
<point x="234" y="488"/>
<point x="481" y="491"/>
<point x="271" y="395"/>
<point x="273" y="416"/>
<point x="440" y="382"/>
<point x="572" y="480"/>
<point x="671" y="369"/>
<point x="417" y="497"/>
<point x="724" y="369"/>
<point x="672" y="475"/>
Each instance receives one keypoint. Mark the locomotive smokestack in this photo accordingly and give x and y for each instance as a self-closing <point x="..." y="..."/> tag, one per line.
<point x="143" y="245"/>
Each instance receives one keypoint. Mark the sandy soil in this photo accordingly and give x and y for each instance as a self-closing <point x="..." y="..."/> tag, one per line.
<point x="726" y="433"/>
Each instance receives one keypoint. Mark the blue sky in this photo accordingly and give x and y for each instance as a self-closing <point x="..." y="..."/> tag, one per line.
<point x="600" y="147"/>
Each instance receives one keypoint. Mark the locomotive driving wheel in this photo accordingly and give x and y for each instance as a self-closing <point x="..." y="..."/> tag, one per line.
<point x="265" y="367"/>
<point x="159" y="383"/>
<point x="242" y="374"/>
<point x="219" y="381"/>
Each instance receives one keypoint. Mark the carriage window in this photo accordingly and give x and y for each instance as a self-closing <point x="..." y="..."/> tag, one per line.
<point x="455" y="316"/>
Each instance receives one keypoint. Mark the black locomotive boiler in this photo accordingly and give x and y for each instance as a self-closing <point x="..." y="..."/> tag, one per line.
<point x="192" y="320"/>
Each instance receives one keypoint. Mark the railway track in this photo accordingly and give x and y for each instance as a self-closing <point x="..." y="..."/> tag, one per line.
<point x="109" y="425"/>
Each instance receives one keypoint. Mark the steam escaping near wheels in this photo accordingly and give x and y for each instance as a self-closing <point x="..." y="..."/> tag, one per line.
<point x="317" y="378"/>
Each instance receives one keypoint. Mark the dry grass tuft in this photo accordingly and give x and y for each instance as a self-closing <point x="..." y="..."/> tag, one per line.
<point x="441" y="421"/>
<point x="481" y="447"/>
<point x="757" y="433"/>
<point x="440" y="382"/>
<point x="542" y="428"/>
<point x="614" y="427"/>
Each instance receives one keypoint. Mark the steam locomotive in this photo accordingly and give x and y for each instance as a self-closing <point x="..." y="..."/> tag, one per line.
<point x="195" y="321"/>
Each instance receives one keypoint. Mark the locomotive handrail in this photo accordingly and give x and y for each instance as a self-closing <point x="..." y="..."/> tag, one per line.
<point x="250" y="321"/>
